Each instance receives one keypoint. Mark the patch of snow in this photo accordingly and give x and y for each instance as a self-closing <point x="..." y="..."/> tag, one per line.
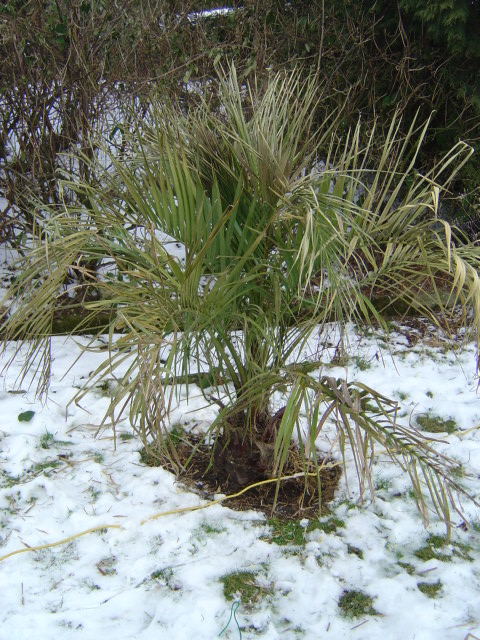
<point x="138" y="577"/>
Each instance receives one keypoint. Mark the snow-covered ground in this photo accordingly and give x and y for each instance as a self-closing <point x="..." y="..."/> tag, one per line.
<point x="134" y="575"/>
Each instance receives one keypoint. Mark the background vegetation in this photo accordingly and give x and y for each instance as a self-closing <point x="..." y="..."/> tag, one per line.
<point x="66" y="64"/>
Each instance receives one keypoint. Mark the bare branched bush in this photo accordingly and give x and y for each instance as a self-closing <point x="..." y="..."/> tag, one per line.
<point x="68" y="67"/>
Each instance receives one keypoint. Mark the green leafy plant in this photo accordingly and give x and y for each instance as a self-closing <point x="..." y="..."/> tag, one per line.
<point x="273" y="246"/>
<point x="25" y="416"/>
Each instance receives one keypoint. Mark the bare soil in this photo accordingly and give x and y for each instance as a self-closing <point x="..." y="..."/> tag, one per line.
<point x="296" y="498"/>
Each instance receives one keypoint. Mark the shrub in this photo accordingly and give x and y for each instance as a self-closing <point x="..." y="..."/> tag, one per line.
<point x="274" y="248"/>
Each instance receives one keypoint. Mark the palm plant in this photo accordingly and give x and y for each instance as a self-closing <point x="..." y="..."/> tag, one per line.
<point x="274" y="246"/>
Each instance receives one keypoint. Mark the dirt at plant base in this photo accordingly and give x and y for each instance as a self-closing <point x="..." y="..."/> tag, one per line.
<point x="296" y="497"/>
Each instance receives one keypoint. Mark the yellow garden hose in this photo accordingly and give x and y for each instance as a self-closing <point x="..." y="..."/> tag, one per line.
<point x="158" y="515"/>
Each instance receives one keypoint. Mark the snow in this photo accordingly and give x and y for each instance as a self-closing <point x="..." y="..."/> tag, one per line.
<point x="139" y="576"/>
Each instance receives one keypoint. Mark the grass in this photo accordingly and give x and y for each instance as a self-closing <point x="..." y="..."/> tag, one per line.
<point x="430" y="589"/>
<point x="204" y="530"/>
<point x="327" y="526"/>
<point x="361" y="363"/>
<point x="243" y="585"/>
<point x="177" y="434"/>
<point x="47" y="440"/>
<point x="458" y="472"/>
<point x="286" y="532"/>
<point x="435" y="424"/>
<point x="409" y="568"/>
<point x="105" y="387"/>
<point x="209" y="529"/>
<point x="431" y="551"/>
<point x="40" y="467"/>
<point x="355" y="551"/>
<point x="462" y="551"/>
<point x="7" y="480"/>
<point x="292" y="532"/>
<point x="124" y="437"/>
<point x="95" y="494"/>
<point x="340" y="360"/>
<point x="437" y="541"/>
<point x="166" y="577"/>
<point x="383" y="485"/>
<point x="163" y="575"/>
<point x="354" y="603"/>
